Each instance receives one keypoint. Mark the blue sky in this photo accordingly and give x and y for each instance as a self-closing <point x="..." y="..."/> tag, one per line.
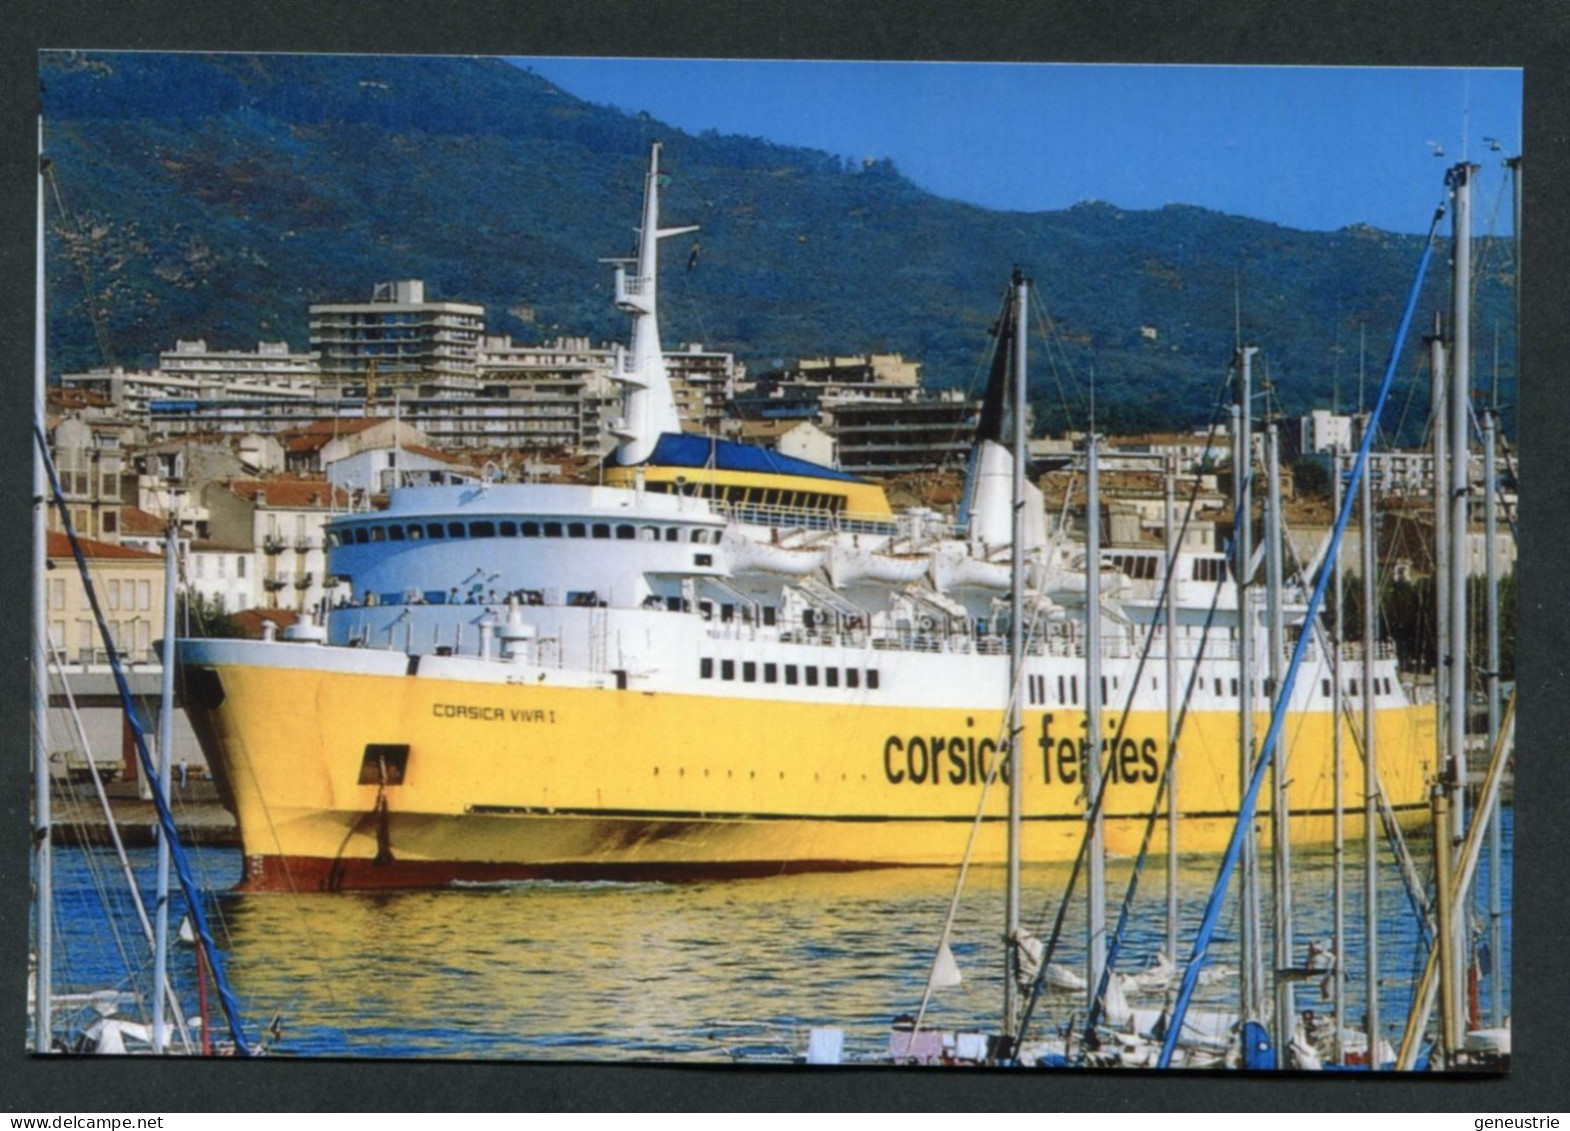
<point x="1306" y="147"/>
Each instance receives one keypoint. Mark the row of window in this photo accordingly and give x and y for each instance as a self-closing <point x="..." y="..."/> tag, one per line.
<point x="794" y="674"/>
<point x="199" y="568"/>
<point x="127" y="594"/>
<point x="1210" y="569"/>
<point x="760" y="496"/>
<point x="127" y="635"/>
<point x="510" y="528"/>
<point x="1068" y="688"/>
<point x="1141" y="567"/>
<point x="1354" y="687"/>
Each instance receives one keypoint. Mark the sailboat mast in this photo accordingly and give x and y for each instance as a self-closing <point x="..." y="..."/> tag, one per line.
<point x="1495" y="838"/>
<point x="1439" y="424"/>
<point x="1169" y="518"/>
<point x="1242" y="501"/>
<point x="165" y="776"/>
<point x="1495" y="835"/>
<point x="1016" y="762"/>
<point x="1096" y="880"/>
<point x="1514" y="165"/>
<point x="43" y="897"/>
<point x="1460" y="469"/>
<point x="1338" y="792"/>
<point x="1370" y="770"/>
<point x="1281" y="854"/>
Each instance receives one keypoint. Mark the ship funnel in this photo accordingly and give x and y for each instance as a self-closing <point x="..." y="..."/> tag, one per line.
<point x="989" y="482"/>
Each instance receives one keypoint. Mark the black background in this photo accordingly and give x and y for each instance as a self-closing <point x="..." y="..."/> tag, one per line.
<point x="1534" y="36"/>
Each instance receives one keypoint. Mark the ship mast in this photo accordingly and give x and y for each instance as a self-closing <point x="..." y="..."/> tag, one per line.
<point x="648" y="407"/>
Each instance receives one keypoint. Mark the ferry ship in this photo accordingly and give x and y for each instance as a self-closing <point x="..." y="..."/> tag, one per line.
<point x="721" y="661"/>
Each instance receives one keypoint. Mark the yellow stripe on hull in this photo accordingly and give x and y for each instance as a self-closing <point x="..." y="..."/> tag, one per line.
<point x="508" y="780"/>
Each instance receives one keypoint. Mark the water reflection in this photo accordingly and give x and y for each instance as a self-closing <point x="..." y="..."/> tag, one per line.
<point x="704" y="971"/>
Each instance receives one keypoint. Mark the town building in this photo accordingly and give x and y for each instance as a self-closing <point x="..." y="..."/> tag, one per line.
<point x="225" y="577"/>
<point x="557" y="396"/>
<point x="398" y="341"/>
<point x="376" y="470"/>
<point x="800" y="439"/>
<point x="1194" y="451"/>
<point x="877" y="376"/>
<point x="873" y="408"/>
<point x="1324" y="431"/>
<point x="283" y="520"/>
<point x="893" y="437"/>
<point x="137" y="394"/>
<point x="90" y="461"/>
<point x="269" y="369"/>
<point x="1133" y="506"/>
<point x="130" y="588"/>
<point x="312" y="448"/>
<point x="704" y="382"/>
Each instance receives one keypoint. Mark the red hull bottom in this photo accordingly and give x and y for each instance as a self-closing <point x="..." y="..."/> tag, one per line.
<point x="316" y="874"/>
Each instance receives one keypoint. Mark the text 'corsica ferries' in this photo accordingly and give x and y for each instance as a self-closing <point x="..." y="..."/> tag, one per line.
<point x="723" y="661"/>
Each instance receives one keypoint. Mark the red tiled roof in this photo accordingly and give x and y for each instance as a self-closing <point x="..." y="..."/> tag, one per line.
<point x="429" y="453"/>
<point x="319" y="433"/>
<point x="293" y="493"/>
<point x="60" y="547"/>
<point x="134" y="520"/>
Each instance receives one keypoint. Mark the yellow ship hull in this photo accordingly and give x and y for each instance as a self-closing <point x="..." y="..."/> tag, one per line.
<point x="343" y="780"/>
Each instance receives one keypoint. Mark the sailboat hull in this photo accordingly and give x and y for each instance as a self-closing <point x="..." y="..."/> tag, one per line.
<point x="350" y="772"/>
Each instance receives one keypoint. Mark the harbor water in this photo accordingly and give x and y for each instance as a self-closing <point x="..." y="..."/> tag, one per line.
<point x="699" y="972"/>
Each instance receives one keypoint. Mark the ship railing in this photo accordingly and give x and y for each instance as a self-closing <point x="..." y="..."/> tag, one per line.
<point x="1354" y="650"/>
<point x="805" y="518"/>
<point x="1190" y="648"/>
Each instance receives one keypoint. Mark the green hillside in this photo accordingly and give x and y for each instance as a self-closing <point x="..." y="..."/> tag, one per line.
<point x="216" y="196"/>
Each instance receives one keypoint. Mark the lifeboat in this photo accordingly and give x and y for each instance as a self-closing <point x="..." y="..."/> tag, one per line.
<point x="748" y="556"/>
<point x="849" y="565"/>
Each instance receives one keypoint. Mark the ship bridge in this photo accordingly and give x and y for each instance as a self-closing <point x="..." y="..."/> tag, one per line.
<point x="446" y="545"/>
<point x="759" y="487"/>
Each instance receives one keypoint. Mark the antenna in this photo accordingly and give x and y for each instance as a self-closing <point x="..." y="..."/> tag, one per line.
<point x="1335" y="370"/>
<point x="1092" y="398"/>
<point x="1466" y="109"/>
<point x="1494" y="397"/>
<point x="1362" y="342"/>
<point x="1237" y="309"/>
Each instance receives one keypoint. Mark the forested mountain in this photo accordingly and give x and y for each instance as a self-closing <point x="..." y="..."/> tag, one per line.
<point x="215" y="196"/>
